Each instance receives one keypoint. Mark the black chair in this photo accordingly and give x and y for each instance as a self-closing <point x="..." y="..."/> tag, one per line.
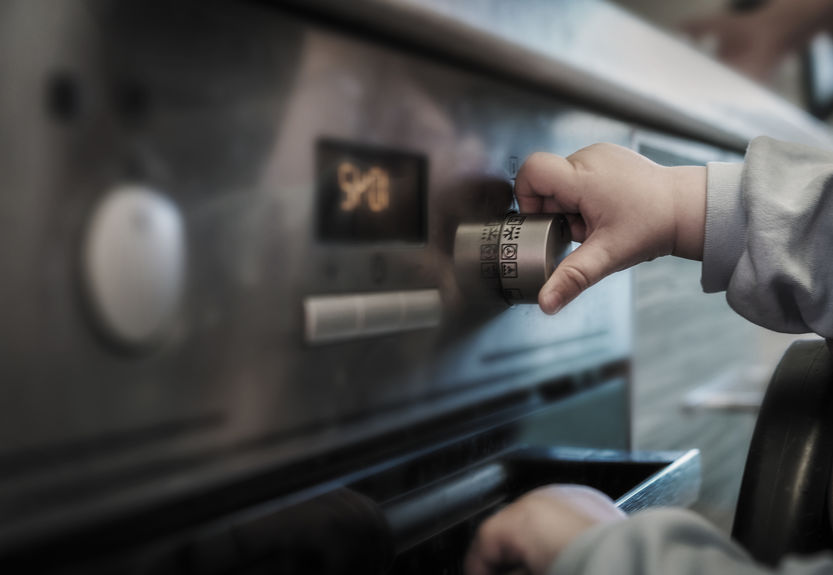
<point x="785" y="498"/>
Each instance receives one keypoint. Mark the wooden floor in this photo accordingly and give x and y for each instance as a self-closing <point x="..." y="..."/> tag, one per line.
<point x="685" y="339"/>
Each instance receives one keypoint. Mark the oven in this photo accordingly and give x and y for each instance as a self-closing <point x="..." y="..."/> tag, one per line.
<point x="267" y="306"/>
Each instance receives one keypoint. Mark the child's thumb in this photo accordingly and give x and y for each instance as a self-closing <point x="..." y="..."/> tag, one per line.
<point x="585" y="266"/>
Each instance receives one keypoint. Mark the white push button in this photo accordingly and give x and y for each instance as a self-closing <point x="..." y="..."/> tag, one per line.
<point x="134" y="264"/>
<point x="332" y="315"/>
<point x="380" y="313"/>
<point x="335" y="318"/>
<point x="422" y="308"/>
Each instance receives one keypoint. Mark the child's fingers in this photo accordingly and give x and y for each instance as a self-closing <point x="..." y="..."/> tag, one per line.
<point x="533" y="204"/>
<point x="551" y="177"/>
<point x="588" y="264"/>
<point x="495" y="545"/>
<point x="578" y="227"/>
<point x="551" y="206"/>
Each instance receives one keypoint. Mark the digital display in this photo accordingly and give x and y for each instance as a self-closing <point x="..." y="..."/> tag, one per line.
<point x="369" y="194"/>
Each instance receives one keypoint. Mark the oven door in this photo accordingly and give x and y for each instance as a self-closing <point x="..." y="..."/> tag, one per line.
<point x="338" y="528"/>
<point x="408" y="511"/>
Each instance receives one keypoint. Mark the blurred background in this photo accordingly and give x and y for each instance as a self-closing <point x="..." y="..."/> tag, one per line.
<point x="699" y="368"/>
<point x="786" y="77"/>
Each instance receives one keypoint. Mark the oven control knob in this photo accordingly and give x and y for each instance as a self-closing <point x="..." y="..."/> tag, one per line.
<point x="133" y="265"/>
<point x="512" y="256"/>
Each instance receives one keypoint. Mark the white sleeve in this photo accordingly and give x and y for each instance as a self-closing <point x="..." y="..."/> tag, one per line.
<point x="669" y="542"/>
<point x="769" y="236"/>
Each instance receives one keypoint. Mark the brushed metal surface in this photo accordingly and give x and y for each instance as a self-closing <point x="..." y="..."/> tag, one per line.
<point x="678" y="484"/>
<point x="595" y="52"/>
<point x="223" y="110"/>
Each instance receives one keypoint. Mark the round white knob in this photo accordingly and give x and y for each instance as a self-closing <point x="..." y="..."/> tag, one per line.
<point x="134" y="264"/>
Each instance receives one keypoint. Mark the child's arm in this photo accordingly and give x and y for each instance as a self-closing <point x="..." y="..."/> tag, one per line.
<point x="571" y="530"/>
<point x="764" y="230"/>
<point x="769" y="236"/>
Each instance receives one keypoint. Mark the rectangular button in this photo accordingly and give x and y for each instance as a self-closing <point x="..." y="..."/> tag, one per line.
<point x="336" y="318"/>
<point x="331" y="317"/>
<point x="380" y="313"/>
<point x="422" y="308"/>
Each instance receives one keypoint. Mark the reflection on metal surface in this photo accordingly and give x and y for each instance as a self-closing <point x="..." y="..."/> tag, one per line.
<point x="676" y="484"/>
<point x="418" y="516"/>
<point x="598" y="53"/>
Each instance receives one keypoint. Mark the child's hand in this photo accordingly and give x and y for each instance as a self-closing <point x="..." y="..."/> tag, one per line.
<point x="623" y="207"/>
<point x="533" y="531"/>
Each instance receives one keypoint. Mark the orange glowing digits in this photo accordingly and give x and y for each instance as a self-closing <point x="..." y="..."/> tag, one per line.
<point x="373" y="185"/>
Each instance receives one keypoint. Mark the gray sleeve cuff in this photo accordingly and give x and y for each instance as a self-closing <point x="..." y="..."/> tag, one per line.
<point x="660" y="541"/>
<point x="725" y="235"/>
<point x="573" y="558"/>
<point x="654" y="542"/>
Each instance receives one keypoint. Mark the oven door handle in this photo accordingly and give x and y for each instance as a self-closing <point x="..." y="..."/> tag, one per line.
<point x="635" y="480"/>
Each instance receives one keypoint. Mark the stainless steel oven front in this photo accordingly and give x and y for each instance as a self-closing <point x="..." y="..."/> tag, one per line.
<point x="236" y="333"/>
